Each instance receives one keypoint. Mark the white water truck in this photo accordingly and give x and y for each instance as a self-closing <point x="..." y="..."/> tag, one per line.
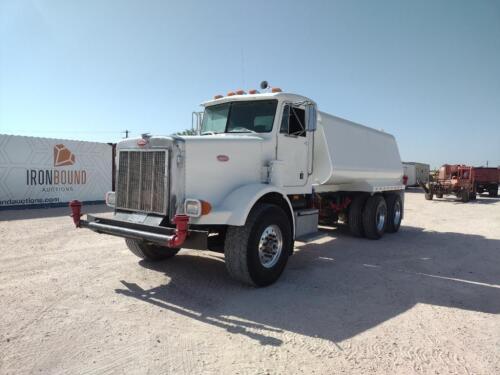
<point x="264" y="170"/>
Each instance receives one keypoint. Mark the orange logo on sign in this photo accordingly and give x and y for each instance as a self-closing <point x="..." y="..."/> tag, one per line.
<point x="63" y="156"/>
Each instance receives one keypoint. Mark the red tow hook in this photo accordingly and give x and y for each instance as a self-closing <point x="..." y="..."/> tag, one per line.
<point x="76" y="212"/>
<point x="181" y="229"/>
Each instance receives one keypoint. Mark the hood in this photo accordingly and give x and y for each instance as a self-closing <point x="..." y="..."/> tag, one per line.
<point x="216" y="165"/>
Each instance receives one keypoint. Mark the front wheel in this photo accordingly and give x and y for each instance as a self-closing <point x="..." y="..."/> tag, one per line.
<point x="150" y="252"/>
<point x="256" y="253"/>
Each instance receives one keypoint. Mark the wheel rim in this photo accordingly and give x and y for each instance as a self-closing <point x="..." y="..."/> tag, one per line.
<point x="270" y="246"/>
<point x="397" y="213"/>
<point x="380" y="221"/>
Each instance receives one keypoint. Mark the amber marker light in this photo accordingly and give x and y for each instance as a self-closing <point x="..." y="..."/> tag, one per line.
<point x="205" y="208"/>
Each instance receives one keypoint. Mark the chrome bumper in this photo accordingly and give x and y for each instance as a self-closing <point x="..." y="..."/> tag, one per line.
<point x="196" y="239"/>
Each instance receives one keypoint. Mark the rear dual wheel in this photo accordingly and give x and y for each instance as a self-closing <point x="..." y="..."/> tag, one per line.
<point x="355" y="215"/>
<point x="375" y="217"/>
<point x="394" y="212"/>
<point x="372" y="216"/>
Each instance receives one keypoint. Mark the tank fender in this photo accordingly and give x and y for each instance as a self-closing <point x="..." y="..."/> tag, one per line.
<point x="241" y="200"/>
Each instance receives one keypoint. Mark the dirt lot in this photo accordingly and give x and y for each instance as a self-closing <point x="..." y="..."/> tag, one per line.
<point x="425" y="300"/>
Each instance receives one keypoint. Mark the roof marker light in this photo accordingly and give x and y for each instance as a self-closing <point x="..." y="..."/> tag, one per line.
<point x="240" y="92"/>
<point x="253" y="91"/>
<point x="218" y="96"/>
<point x="231" y="93"/>
<point x="276" y="89"/>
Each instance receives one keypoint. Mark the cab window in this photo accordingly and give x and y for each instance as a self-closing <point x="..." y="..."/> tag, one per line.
<point x="293" y="122"/>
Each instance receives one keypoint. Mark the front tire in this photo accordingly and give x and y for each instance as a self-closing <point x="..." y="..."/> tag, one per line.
<point x="256" y="253"/>
<point x="150" y="252"/>
<point x="375" y="217"/>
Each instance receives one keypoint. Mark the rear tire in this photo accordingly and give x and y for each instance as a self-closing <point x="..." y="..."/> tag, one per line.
<point x="439" y="195"/>
<point x="355" y="215"/>
<point x="150" y="252"/>
<point x="375" y="217"/>
<point x="493" y="191"/>
<point x="394" y="212"/>
<point x="256" y="253"/>
<point x="429" y="195"/>
<point x="464" y="196"/>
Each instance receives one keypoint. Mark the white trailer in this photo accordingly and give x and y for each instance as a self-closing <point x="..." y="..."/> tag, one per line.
<point x="264" y="169"/>
<point x="416" y="172"/>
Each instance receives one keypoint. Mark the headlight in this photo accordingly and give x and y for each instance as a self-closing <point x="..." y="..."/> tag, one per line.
<point x="196" y="208"/>
<point x="110" y="198"/>
<point x="192" y="207"/>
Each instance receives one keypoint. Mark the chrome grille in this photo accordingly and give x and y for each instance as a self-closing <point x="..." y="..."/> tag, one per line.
<point x="142" y="181"/>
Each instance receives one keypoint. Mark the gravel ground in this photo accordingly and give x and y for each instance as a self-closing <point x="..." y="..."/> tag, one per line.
<point x="424" y="300"/>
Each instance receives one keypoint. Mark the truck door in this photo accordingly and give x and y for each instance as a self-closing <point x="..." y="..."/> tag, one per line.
<point x="293" y="141"/>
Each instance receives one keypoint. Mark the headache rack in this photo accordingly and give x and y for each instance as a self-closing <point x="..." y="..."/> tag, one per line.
<point x="142" y="181"/>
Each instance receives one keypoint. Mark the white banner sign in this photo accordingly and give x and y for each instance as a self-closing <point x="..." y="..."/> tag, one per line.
<point x="43" y="171"/>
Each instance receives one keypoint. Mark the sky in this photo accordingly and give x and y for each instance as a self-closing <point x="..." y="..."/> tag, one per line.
<point x="426" y="71"/>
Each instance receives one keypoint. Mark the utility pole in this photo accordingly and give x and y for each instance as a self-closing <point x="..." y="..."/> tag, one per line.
<point x="126" y="133"/>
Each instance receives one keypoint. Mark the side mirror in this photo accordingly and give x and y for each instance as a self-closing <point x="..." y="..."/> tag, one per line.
<point x="310" y="117"/>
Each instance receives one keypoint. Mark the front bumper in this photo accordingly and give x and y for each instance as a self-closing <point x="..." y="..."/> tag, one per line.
<point x="195" y="239"/>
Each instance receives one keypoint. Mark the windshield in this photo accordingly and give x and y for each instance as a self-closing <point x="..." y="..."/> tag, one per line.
<point x="239" y="117"/>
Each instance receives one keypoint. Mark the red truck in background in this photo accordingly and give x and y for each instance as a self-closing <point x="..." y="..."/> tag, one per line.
<point x="451" y="180"/>
<point x="463" y="181"/>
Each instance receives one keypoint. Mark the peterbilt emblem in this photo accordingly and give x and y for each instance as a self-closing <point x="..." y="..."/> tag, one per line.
<point x="222" y="157"/>
<point x="142" y="142"/>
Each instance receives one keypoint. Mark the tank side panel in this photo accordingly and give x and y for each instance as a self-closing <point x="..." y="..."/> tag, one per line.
<point x="349" y="153"/>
